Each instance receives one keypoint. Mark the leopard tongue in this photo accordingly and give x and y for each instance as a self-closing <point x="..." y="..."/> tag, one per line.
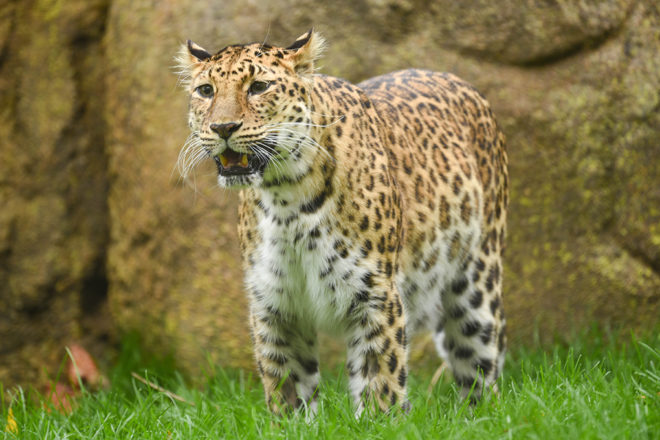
<point x="233" y="159"/>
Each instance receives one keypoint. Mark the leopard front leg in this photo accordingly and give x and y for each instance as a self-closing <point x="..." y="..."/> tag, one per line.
<point x="287" y="360"/>
<point x="377" y="351"/>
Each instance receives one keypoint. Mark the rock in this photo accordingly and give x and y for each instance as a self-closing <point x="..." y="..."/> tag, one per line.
<point x="583" y="226"/>
<point x="567" y="224"/>
<point x="525" y="32"/>
<point x="173" y="263"/>
<point x="53" y="220"/>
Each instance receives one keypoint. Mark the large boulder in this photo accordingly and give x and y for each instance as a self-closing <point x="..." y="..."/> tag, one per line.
<point x="575" y="87"/>
<point x="173" y="263"/>
<point x="53" y="183"/>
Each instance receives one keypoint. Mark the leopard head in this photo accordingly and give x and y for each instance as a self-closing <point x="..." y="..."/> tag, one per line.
<point x="250" y="109"/>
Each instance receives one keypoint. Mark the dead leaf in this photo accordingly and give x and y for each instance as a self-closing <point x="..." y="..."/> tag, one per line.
<point x="62" y="397"/>
<point x="82" y="368"/>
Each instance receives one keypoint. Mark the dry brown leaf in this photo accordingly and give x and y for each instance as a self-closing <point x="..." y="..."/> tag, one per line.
<point x="82" y="368"/>
<point x="62" y="397"/>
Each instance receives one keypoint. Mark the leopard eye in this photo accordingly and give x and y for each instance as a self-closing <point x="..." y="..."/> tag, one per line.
<point x="258" y="87"/>
<point x="205" y="91"/>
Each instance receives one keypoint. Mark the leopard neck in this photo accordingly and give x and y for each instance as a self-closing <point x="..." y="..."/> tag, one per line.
<point x="310" y="182"/>
<point x="340" y="114"/>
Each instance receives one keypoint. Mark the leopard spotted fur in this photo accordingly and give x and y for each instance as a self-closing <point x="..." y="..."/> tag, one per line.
<point x="369" y="211"/>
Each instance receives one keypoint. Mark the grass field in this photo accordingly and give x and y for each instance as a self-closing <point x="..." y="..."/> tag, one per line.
<point x="598" y="387"/>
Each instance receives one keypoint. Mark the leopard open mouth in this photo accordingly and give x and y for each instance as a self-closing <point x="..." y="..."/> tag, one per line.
<point x="234" y="163"/>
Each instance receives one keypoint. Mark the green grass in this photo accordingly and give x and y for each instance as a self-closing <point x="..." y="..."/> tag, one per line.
<point x="594" y="388"/>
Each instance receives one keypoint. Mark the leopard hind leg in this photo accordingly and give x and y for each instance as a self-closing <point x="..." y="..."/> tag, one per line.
<point x="470" y="334"/>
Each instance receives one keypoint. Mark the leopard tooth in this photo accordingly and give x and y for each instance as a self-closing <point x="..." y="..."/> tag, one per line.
<point x="244" y="160"/>
<point x="223" y="160"/>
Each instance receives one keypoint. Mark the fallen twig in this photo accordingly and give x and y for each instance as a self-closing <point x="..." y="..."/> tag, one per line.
<point x="161" y="389"/>
<point x="436" y="377"/>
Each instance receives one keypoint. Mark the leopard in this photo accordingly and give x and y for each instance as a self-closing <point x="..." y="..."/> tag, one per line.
<point x="367" y="212"/>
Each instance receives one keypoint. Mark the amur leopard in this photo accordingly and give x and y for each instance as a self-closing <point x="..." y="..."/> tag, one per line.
<point x="370" y="211"/>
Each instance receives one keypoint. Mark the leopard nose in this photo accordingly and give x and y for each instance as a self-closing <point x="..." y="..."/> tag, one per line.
<point x="225" y="130"/>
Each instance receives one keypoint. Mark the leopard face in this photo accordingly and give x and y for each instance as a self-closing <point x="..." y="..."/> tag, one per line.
<point x="250" y="111"/>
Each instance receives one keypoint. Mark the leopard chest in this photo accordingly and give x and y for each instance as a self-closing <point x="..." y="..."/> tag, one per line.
<point x="304" y="267"/>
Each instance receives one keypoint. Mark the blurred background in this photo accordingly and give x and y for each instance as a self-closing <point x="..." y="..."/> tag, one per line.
<point x="99" y="238"/>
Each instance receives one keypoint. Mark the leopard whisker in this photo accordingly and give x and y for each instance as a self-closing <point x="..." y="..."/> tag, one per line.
<point x="304" y="141"/>
<point x="265" y="152"/>
<point x="272" y="155"/>
<point x="308" y="124"/>
<point x="191" y="154"/>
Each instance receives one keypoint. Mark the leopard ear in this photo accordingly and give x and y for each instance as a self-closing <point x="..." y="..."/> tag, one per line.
<point x="197" y="53"/>
<point x="190" y="55"/>
<point x="305" y="51"/>
<point x="189" y="58"/>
